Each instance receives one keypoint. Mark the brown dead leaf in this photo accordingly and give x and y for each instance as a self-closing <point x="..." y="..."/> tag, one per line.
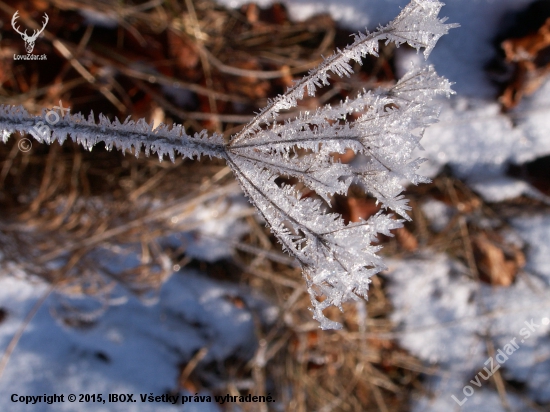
<point x="287" y="78"/>
<point x="345" y="157"/>
<point x="360" y="208"/>
<point x="278" y="14"/>
<point x="252" y="13"/>
<point x="531" y="57"/>
<point x="182" y="50"/>
<point x="236" y="301"/>
<point x="497" y="262"/>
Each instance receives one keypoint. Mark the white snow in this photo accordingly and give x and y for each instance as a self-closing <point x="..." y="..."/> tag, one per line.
<point x="443" y="317"/>
<point x="501" y="188"/>
<point x="217" y="224"/>
<point x="439" y="214"/>
<point x="132" y="348"/>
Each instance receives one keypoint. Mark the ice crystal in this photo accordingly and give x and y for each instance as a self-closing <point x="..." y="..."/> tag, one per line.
<point x="337" y="258"/>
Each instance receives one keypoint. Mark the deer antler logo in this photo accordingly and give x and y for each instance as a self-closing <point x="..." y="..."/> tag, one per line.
<point x="29" y="40"/>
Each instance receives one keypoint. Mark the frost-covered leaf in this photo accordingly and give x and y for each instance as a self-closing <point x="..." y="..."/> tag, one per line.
<point x="337" y="258"/>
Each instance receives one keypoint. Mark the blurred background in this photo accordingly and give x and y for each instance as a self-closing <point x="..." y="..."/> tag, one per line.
<point x="129" y="275"/>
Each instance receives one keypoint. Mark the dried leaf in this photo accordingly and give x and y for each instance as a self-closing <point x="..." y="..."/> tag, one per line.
<point x="531" y="57"/>
<point x="497" y="263"/>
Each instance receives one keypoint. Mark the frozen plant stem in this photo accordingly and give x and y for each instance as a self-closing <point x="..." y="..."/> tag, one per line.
<point x="337" y="258"/>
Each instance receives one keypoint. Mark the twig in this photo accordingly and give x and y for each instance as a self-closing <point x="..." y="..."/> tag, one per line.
<point x="15" y="340"/>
